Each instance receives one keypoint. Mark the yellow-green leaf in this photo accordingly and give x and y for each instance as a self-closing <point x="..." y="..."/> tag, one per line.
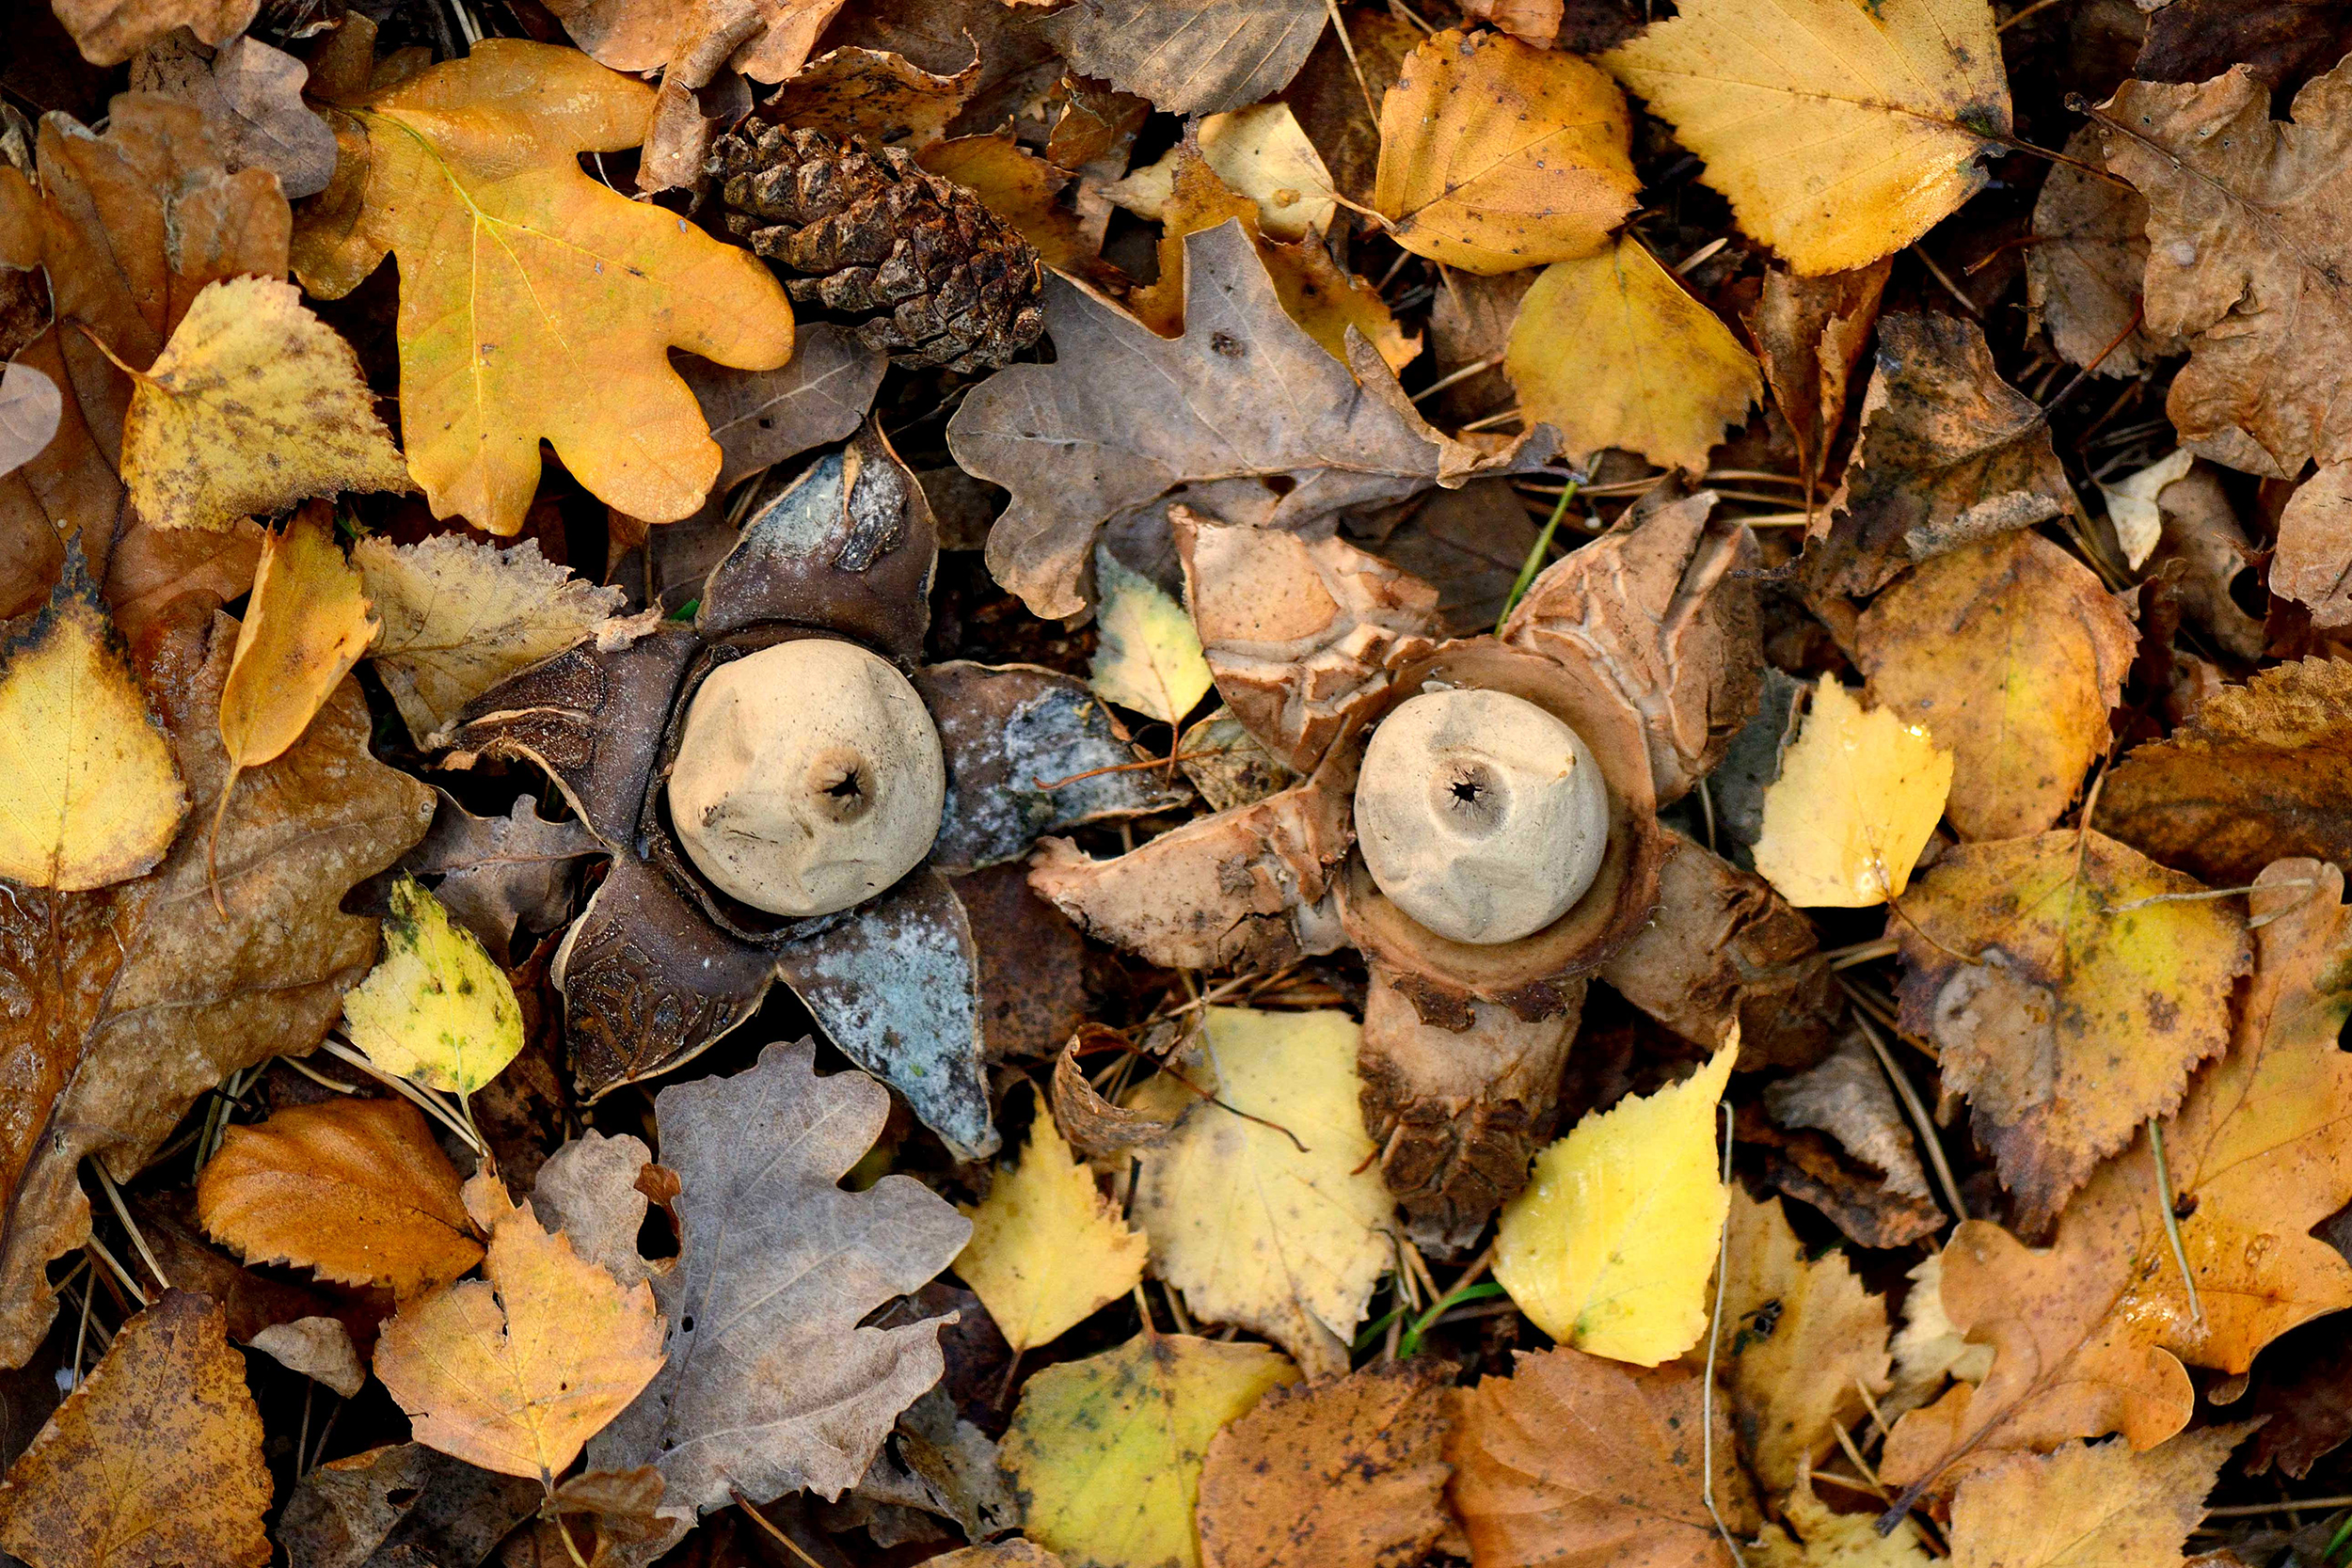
<point x="1046" y="1248"/>
<point x="1857" y="798"/>
<point x="1610" y="1246"/>
<point x="305" y="626"/>
<point x="1149" y="658"/>
<point x="437" y="1009"/>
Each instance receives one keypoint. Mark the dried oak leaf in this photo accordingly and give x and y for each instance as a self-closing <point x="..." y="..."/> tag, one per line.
<point x="2088" y="1505"/>
<point x="2070" y="991"/>
<point x="1203" y="58"/>
<point x="2088" y="1335"/>
<point x="2084" y="270"/>
<point x="166" y="994"/>
<point x="2240" y="273"/>
<point x="251" y="95"/>
<point x="1243" y="399"/>
<point x="354" y="1189"/>
<point x="500" y="872"/>
<point x="1839" y="133"/>
<point x="2314" y="561"/>
<point x="772" y="1385"/>
<point x="153" y="1462"/>
<point x="2259" y="771"/>
<point x="1347" y="1473"/>
<point x="760" y="418"/>
<point x="535" y="301"/>
<point x="2010" y="652"/>
<point x="111" y="31"/>
<point x="594" y="1190"/>
<point x="1949" y="452"/>
<point x="1575" y="1459"/>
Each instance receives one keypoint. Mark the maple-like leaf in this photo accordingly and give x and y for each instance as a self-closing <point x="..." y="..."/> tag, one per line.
<point x="1107" y="1451"/>
<point x="2088" y="1505"/>
<point x="1046" y="1248"/>
<point x="1244" y="397"/>
<point x="534" y="301"/>
<point x="1857" y="799"/>
<point x="1496" y="156"/>
<point x="772" y="1385"/>
<point x="435" y="1008"/>
<point x="154" y="1461"/>
<point x="1207" y="58"/>
<point x="1839" y="132"/>
<point x="1149" y="658"/>
<point x="305" y="626"/>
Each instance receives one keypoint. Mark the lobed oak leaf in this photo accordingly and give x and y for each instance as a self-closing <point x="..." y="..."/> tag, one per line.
<point x="534" y="301"/>
<point x="516" y="1372"/>
<point x="1207" y="58"/>
<point x="354" y="1189"/>
<point x="2088" y="1505"/>
<point x="154" y="1461"/>
<point x="1496" y="156"/>
<point x="1609" y="1248"/>
<point x="1839" y="132"/>
<point x="1857" y="799"/>
<point x="435" y="1008"/>
<point x="2010" y="652"/>
<point x="305" y="626"/>
<point x="1107" y="1452"/>
<point x="251" y="95"/>
<point x="1149" y="657"/>
<point x="1047" y="1249"/>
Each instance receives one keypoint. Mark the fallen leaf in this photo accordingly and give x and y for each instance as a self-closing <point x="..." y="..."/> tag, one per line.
<point x="1149" y="658"/>
<point x="153" y="1462"/>
<point x="765" y="39"/>
<point x="1839" y="132"/>
<point x="1609" y="1248"/>
<point x="1349" y="1473"/>
<point x="1847" y="1096"/>
<point x="1107" y="1451"/>
<point x="2082" y="271"/>
<point x="434" y="1009"/>
<point x="2010" y="653"/>
<point x="760" y="418"/>
<point x="1075" y="444"/>
<point x="251" y="95"/>
<point x="1047" y="1249"/>
<point x="460" y="616"/>
<point x="110" y="32"/>
<point x="1496" y="156"/>
<point x="1614" y="353"/>
<point x="516" y="1372"/>
<point x="354" y="1189"/>
<point x="1811" y="1535"/>
<point x="2283" y="43"/>
<point x="2068" y="988"/>
<point x="2259" y="771"/>
<point x="253" y="404"/>
<point x="2134" y="504"/>
<point x="2088" y="1506"/>
<point x="305" y="626"/>
<point x="535" y="301"/>
<point x="500" y="872"/>
<point x="594" y="1190"/>
<point x="89" y="795"/>
<point x="599" y="1515"/>
<point x="2314" y="561"/>
<point x="1012" y="1553"/>
<point x="2234" y="271"/>
<point x="406" y="1502"/>
<point x="1574" y="1459"/>
<point x="872" y="93"/>
<point x="1809" y="332"/>
<point x="772" y="1385"/>
<point x="30" y="407"/>
<point x="1928" y="1350"/>
<point x="1801" y="1341"/>
<point x="1208" y="57"/>
<point x="1259" y="154"/>
<point x="1857" y="799"/>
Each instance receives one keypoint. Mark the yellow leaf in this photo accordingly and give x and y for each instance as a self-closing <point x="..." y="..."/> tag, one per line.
<point x="1107" y="1451"/>
<point x="89" y="794"/>
<point x="2089" y="1505"/>
<point x="1150" y="656"/>
<point x="535" y="301"/>
<point x="1495" y="156"/>
<point x="1812" y="1536"/>
<point x="1610" y="1246"/>
<point x="435" y="1008"/>
<point x="1612" y="352"/>
<point x="1839" y="130"/>
<point x="1285" y="1237"/>
<point x="305" y="627"/>
<point x="1857" y="797"/>
<point x="1046" y="1248"/>
<point x="515" y="1374"/>
<point x="1259" y="152"/>
<point x="254" y="404"/>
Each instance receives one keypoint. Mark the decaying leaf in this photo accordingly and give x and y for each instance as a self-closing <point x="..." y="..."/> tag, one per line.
<point x="1839" y="133"/>
<point x="2084" y="270"/>
<point x="1809" y="332"/>
<point x="1496" y="156"/>
<point x="2313" y="563"/>
<point x="1259" y="152"/>
<point x="2088" y="1505"/>
<point x="1577" y="1459"/>
<point x="1857" y="798"/>
<point x="305" y="626"/>
<point x="155" y="1462"/>
<point x="403" y="1500"/>
<point x="2010" y="653"/>
<point x="1810" y="1535"/>
<point x="1349" y="1473"/>
<point x="459" y="616"/>
<point x="251" y="95"/>
<point x="760" y="418"/>
<point x="499" y="873"/>
<point x="354" y="1189"/>
<point x="1848" y="1097"/>
<point x="1262" y="1206"/>
<point x="1149" y="658"/>
<point x="1107" y="1451"/>
<point x="1609" y="1248"/>
<point x="1047" y="1249"/>
<point x="110" y="32"/>
<point x="2134" y="504"/>
<point x="88" y="792"/>
<point x="435" y="1008"/>
<point x="517" y="1371"/>
<point x="30" y="408"/>
<point x="1191" y="59"/>
<point x="535" y="301"/>
<point x="1615" y="353"/>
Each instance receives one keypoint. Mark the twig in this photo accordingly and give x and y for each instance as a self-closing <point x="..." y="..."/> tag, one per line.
<point x="2252" y="1511"/>
<point x="1493" y="421"/>
<point x="1863" y="952"/>
<point x="1698" y="258"/>
<point x="2084" y="373"/>
<point x="1949" y="287"/>
<point x="2037" y="5"/>
<point x="1918" y="1114"/>
<point x="431" y="1104"/>
<point x="1476" y="366"/>
<point x="1714" y="1338"/>
<point x="769" y="1526"/>
<point x="122" y="1212"/>
<point x="1136" y="766"/>
<point x="1347" y="47"/>
<point x="2172" y="1225"/>
<point x="120" y="1273"/>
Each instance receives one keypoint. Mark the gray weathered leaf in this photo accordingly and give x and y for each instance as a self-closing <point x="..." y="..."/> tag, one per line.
<point x="1197" y="58"/>
<point x="588" y="1190"/>
<point x="500" y="871"/>
<point x="401" y="1504"/>
<point x="251" y="94"/>
<point x="764" y="417"/>
<point x="30" y="407"/>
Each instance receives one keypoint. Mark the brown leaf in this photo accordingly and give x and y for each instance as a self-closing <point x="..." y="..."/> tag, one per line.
<point x="2082" y="271"/>
<point x="1348" y="1473"/>
<point x="1032" y="961"/>
<point x="1203" y="58"/>
<point x="2202" y="552"/>
<point x="355" y="1189"/>
<point x="2259" y="771"/>
<point x="409" y="1502"/>
<point x="1848" y="1097"/>
<point x="1809" y="333"/>
<point x="2283" y="43"/>
<point x="872" y="93"/>
<point x="110" y="33"/>
<point x="1466" y="543"/>
<point x="1023" y="190"/>
<point x="155" y="1462"/>
<point x="167" y="995"/>
<point x="1574" y="1459"/>
<point x="498" y="872"/>
<point x="1855" y="1197"/>
<point x="2089" y="1507"/>
<point x="1096" y="1127"/>
<point x="760" y="418"/>
<point x="2314" y="561"/>
<point x="251" y="95"/>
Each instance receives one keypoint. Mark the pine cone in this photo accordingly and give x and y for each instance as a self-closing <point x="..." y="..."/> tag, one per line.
<point x="872" y="233"/>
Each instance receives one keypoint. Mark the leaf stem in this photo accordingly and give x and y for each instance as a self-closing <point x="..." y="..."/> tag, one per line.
<point x="1714" y="1338"/>
<point x="1535" y="561"/>
<point x="2172" y="1225"/>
